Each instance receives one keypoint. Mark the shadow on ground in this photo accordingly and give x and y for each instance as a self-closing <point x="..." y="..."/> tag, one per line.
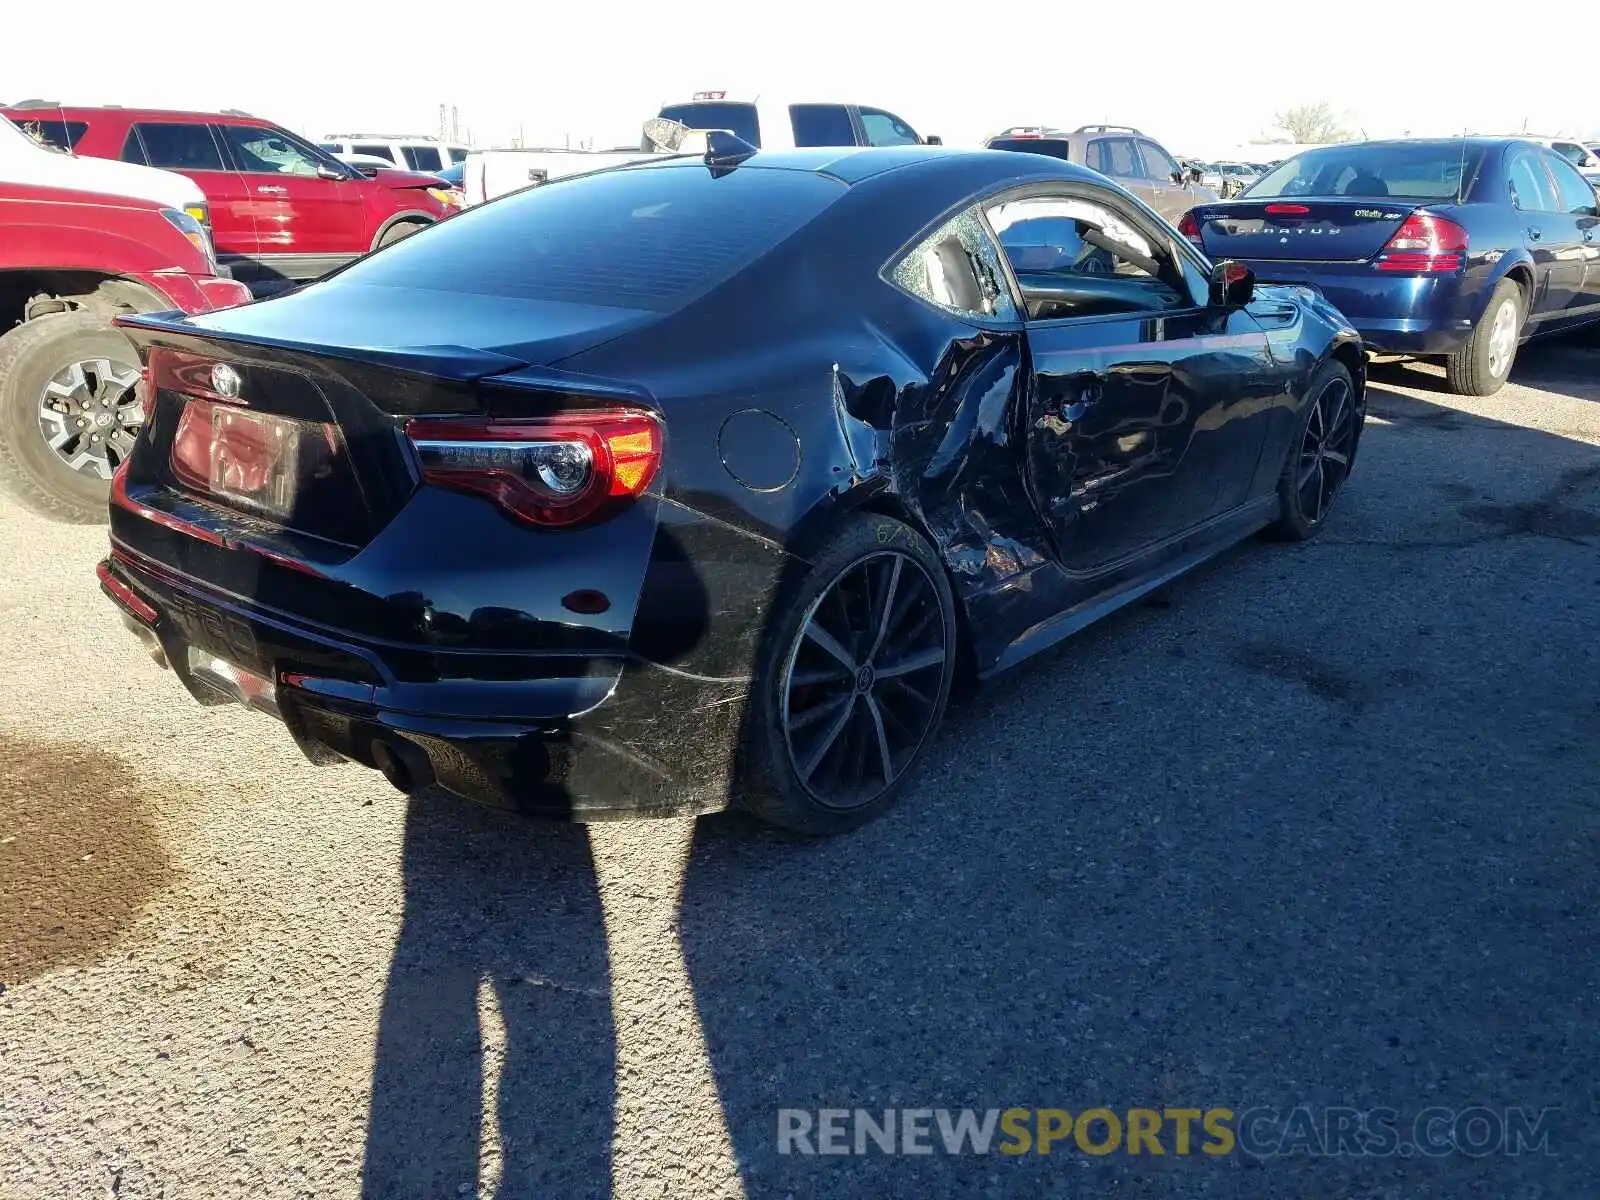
<point x="1314" y="828"/>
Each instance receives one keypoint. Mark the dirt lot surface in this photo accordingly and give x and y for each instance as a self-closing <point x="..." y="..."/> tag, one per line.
<point x="1317" y="825"/>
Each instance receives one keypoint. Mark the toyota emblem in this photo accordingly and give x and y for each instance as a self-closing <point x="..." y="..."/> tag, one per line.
<point x="225" y="381"/>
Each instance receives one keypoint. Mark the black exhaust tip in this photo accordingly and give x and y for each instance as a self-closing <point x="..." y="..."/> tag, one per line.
<point x="394" y="767"/>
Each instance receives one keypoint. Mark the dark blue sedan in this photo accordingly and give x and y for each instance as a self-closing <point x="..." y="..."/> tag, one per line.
<point x="1461" y="248"/>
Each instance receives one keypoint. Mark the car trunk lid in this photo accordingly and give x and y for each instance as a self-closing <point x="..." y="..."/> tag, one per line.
<point x="1301" y="228"/>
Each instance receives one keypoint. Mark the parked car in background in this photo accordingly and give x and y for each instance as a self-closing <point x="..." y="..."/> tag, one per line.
<point x="1585" y="158"/>
<point x="1235" y="177"/>
<point x="282" y="211"/>
<point x="553" y="508"/>
<point x="1456" y="248"/>
<point x="765" y="124"/>
<point x="426" y="154"/>
<point x="1120" y="152"/>
<point x="71" y="259"/>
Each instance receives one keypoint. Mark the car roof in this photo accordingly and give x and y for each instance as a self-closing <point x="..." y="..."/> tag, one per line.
<point x="176" y="115"/>
<point x="856" y="164"/>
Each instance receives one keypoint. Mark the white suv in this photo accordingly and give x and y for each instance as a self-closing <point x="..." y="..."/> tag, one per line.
<point x="425" y="154"/>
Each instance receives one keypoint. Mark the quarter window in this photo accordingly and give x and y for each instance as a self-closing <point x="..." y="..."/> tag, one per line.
<point x="63" y="135"/>
<point x="957" y="267"/>
<point x="180" y="147"/>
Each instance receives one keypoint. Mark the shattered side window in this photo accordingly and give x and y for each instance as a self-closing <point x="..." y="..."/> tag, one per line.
<point x="957" y="267"/>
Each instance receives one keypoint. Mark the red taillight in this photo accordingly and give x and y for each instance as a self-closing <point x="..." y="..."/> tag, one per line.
<point x="547" y="471"/>
<point x="1425" y="245"/>
<point x="1189" y="227"/>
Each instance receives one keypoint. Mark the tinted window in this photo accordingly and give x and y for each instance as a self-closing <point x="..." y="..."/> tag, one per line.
<point x="1570" y="151"/>
<point x="267" y="151"/>
<point x="650" y="238"/>
<point x="377" y="151"/>
<point x="330" y="147"/>
<point x="63" y="135"/>
<point x="738" y="119"/>
<point x="1575" y="193"/>
<point x="133" y="149"/>
<point x="1158" y="164"/>
<point x="1113" y="156"/>
<point x="180" y="147"/>
<point x="958" y="268"/>
<point x="886" y="129"/>
<point x="1054" y="147"/>
<point x="1420" y="171"/>
<point x="422" y="158"/>
<point x="459" y="154"/>
<point x="1531" y="188"/>
<point x="822" y="125"/>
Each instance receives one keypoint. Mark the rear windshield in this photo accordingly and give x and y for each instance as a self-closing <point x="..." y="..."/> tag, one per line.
<point x="736" y="118"/>
<point x="646" y="238"/>
<point x="1423" y="171"/>
<point x="1054" y="147"/>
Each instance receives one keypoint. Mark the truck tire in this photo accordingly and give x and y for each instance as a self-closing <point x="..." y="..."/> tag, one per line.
<point x="398" y="231"/>
<point x="1481" y="367"/>
<point x="68" y="413"/>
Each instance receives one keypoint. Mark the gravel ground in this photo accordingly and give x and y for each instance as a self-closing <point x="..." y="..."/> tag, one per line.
<point x="1315" y="826"/>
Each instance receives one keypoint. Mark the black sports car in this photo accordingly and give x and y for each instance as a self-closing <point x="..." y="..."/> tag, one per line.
<point x="698" y="483"/>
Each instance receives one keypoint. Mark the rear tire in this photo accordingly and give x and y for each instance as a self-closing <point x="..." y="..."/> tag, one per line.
<point x="33" y="357"/>
<point x="853" y="680"/>
<point x="1482" y="366"/>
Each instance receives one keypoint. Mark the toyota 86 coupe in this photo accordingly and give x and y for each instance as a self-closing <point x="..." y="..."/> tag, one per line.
<point x="699" y="482"/>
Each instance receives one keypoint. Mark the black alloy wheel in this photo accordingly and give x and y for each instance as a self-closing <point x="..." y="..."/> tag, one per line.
<point x="861" y="673"/>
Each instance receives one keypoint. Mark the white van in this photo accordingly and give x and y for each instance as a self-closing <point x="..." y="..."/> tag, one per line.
<point x="425" y="154"/>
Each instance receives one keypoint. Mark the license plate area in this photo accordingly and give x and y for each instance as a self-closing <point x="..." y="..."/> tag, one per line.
<point x="259" y="462"/>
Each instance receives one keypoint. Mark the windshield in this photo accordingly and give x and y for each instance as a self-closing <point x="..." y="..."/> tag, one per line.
<point x="642" y="238"/>
<point x="1416" y="171"/>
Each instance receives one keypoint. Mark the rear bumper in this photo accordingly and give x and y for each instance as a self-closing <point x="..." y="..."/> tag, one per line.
<point x="590" y="740"/>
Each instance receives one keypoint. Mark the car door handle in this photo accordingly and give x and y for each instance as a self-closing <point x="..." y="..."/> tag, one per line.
<point x="1535" y="233"/>
<point x="272" y="190"/>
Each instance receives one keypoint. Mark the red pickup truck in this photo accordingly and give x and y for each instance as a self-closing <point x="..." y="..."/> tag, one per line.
<point x="282" y="210"/>
<point x="70" y="261"/>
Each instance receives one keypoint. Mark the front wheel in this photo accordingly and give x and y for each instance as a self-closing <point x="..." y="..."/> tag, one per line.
<point x="1481" y="367"/>
<point x="854" y="679"/>
<point x="69" y="414"/>
<point x="1321" y="455"/>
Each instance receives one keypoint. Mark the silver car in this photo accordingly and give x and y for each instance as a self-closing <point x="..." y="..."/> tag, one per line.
<point x="1134" y="160"/>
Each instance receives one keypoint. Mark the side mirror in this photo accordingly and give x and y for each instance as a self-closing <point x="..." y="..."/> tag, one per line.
<point x="933" y="139"/>
<point x="1179" y="177"/>
<point x="1232" y="284"/>
<point x="325" y="171"/>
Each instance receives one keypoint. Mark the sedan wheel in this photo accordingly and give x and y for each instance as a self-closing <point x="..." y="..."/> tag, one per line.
<point x="861" y="663"/>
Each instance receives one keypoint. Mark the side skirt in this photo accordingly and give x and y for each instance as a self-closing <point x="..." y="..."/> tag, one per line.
<point x="1167" y="560"/>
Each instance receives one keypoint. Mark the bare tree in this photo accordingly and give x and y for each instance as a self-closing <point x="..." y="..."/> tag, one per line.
<point x="1305" y="123"/>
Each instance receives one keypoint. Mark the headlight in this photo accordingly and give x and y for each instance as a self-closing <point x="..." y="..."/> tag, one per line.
<point x="449" y="197"/>
<point x="189" y="225"/>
